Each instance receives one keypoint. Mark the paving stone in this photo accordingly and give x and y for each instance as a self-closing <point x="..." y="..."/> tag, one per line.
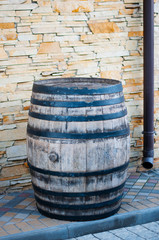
<point x="130" y="197"/>
<point x="153" y="226"/>
<point x="141" y="180"/>
<point x="143" y="190"/>
<point x="3" y="233"/>
<point x="87" y="237"/>
<point x="9" y="214"/>
<point x="150" y="184"/>
<point x="105" y="236"/>
<point x="154" y="200"/>
<point x="142" y="231"/>
<point x="137" y="187"/>
<point x="14" y="202"/>
<point x="23" y="226"/>
<point x="14" y="231"/>
<point x="155" y="191"/>
<point x="123" y="233"/>
<point x="134" y="238"/>
<point x="143" y="194"/>
<point x="152" y="181"/>
<point x="154" y="238"/>
<point x="72" y="238"/>
<point x="23" y="205"/>
<point x="5" y="218"/>
<point x="21" y="215"/>
<point x="128" y="207"/>
<point x="134" y="190"/>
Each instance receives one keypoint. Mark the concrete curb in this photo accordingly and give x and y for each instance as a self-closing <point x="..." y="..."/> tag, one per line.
<point x="73" y="230"/>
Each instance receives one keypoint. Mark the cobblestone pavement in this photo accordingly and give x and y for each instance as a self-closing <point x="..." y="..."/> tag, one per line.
<point x="18" y="211"/>
<point x="139" y="232"/>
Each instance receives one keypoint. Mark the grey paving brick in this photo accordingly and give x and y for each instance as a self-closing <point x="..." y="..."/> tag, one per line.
<point x="150" y="184"/>
<point x="145" y="190"/>
<point x="143" y="194"/>
<point x="141" y="180"/>
<point x="106" y="236"/>
<point x="4" y="201"/>
<point x="154" y="238"/>
<point x="134" y="238"/>
<point x="5" y="218"/>
<point x="155" y="191"/>
<point x="142" y="231"/>
<point x="154" y="227"/>
<point x="123" y="233"/>
<point x="87" y="237"/>
<point x="137" y="186"/>
<point x="129" y="197"/>
<point x="21" y="215"/>
<point x="12" y="203"/>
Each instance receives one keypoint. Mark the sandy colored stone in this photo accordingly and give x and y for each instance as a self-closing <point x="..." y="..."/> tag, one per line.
<point x="109" y="5"/>
<point x="15" y="61"/>
<point x="106" y="0"/>
<point x="49" y="47"/>
<point x="12" y="172"/>
<point x="14" y="134"/>
<point x="17" y="6"/>
<point x="103" y="27"/>
<point x="23" y="29"/>
<point x="3" y="54"/>
<point x="72" y="6"/>
<point x="131" y="45"/>
<point x="126" y="11"/>
<point x="111" y="75"/>
<point x="27" y="37"/>
<point x="20" y="78"/>
<point x="7" y="25"/>
<point x="136" y="34"/>
<point x="8" y="35"/>
<point x="8" y="119"/>
<point x="100" y="37"/>
<point x="44" y="3"/>
<point x="7" y="2"/>
<point x="8" y="88"/>
<point x="23" y="51"/>
<point x="42" y="10"/>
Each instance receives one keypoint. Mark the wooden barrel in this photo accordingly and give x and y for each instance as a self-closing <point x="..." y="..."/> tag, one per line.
<point x="78" y="147"/>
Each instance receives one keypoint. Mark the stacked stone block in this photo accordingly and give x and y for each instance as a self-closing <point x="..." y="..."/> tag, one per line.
<point x="42" y="39"/>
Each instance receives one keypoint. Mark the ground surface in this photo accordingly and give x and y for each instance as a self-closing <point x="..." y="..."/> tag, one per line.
<point x="139" y="232"/>
<point x="18" y="211"/>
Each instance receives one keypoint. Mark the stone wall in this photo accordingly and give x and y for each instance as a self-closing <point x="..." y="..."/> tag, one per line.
<point x="42" y="39"/>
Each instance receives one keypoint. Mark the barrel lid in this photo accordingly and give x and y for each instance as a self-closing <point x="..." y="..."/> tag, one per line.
<point x="77" y="86"/>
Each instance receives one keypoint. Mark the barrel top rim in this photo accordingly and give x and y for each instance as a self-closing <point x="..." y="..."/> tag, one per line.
<point x="72" y="80"/>
<point x="77" y="86"/>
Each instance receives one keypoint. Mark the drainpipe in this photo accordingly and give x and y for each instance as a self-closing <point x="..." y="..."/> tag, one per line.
<point x="148" y="151"/>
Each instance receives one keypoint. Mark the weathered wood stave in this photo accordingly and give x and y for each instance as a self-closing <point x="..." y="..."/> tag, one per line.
<point x="87" y="155"/>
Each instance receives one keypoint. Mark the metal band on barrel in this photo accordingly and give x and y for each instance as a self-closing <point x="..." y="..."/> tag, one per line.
<point x="79" y="174"/>
<point x="78" y="118"/>
<point x="76" y="91"/>
<point x="80" y="206"/>
<point x="78" y="218"/>
<point x="44" y="133"/>
<point x="77" y="194"/>
<point x="76" y="104"/>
